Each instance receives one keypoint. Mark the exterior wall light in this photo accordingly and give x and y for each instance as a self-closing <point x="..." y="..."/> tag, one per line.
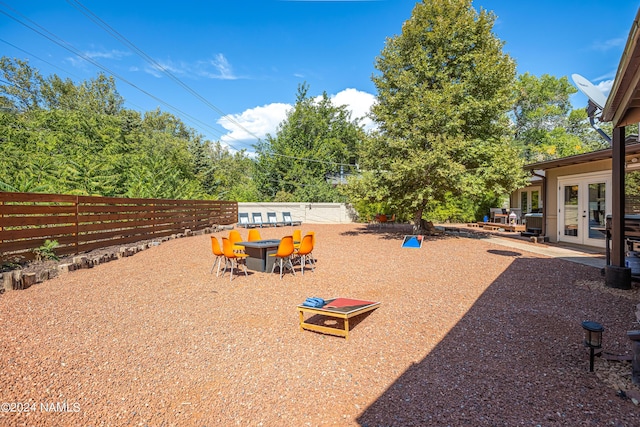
<point x="592" y="338"/>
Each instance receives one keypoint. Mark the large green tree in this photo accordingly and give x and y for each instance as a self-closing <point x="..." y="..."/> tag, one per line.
<point x="546" y="125"/>
<point x="444" y="88"/>
<point x="225" y="175"/>
<point x="20" y="90"/>
<point x="314" y="145"/>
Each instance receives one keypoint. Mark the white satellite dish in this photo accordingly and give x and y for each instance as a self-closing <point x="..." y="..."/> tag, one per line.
<point x="592" y="92"/>
<point x="597" y="101"/>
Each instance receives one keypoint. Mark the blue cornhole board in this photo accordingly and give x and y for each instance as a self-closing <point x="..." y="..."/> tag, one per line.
<point x="412" y="242"/>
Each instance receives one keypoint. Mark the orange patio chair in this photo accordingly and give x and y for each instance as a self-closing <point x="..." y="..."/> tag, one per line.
<point x="233" y="259"/>
<point x="304" y="252"/>
<point x="219" y="254"/>
<point x="235" y="237"/>
<point x="254" y="235"/>
<point x="297" y="238"/>
<point x="313" y="245"/>
<point x="284" y="253"/>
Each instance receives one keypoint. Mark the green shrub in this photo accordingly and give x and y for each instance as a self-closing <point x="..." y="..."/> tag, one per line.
<point x="46" y="251"/>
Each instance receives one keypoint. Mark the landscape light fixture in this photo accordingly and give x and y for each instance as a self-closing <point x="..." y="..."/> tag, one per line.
<point x="592" y="338"/>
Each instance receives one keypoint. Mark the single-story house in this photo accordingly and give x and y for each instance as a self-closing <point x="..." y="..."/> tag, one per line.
<point x="578" y="191"/>
<point x="575" y="194"/>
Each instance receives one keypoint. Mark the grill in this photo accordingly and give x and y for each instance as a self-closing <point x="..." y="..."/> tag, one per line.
<point x="533" y="223"/>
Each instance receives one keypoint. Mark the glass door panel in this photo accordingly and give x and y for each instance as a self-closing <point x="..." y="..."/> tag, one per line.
<point x="583" y="206"/>
<point x="571" y="205"/>
<point x="534" y="200"/>
<point x="597" y="209"/>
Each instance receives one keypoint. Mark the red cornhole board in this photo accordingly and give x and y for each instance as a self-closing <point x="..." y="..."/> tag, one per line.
<point x="339" y="308"/>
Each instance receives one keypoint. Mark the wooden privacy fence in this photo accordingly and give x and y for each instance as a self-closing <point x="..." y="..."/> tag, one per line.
<point x="83" y="223"/>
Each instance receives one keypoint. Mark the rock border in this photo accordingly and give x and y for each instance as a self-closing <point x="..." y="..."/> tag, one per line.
<point x="20" y="279"/>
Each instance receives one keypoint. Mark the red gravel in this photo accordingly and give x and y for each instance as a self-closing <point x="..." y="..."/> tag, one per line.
<point x="468" y="333"/>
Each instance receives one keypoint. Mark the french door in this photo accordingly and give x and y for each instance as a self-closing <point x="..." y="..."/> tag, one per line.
<point x="583" y="203"/>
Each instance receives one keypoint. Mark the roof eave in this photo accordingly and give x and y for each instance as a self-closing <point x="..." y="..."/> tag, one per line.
<point x="607" y="153"/>
<point x="623" y="104"/>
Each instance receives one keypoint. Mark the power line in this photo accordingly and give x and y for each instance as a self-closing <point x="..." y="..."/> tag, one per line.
<point x="114" y="33"/>
<point x="98" y="21"/>
<point x="57" y="40"/>
<point x="38" y="58"/>
<point x="52" y="37"/>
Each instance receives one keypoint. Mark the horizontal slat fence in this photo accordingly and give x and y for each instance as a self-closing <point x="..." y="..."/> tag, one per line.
<point x="84" y="223"/>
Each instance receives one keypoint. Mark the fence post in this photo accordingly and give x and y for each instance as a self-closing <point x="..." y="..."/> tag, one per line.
<point x="194" y="217"/>
<point x="77" y="202"/>
<point x="153" y="219"/>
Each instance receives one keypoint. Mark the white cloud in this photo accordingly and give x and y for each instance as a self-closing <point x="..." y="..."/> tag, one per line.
<point x="358" y="102"/>
<point x="246" y="127"/>
<point x="80" y="61"/>
<point x="608" y="44"/>
<point x="220" y="64"/>
<point x="77" y="61"/>
<point x="111" y="54"/>
<point x="254" y="122"/>
<point x="605" y="86"/>
<point x="157" y="70"/>
<point x="217" y="67"/>
<point x="154" y="71"/>
<point x="172" y="67"/>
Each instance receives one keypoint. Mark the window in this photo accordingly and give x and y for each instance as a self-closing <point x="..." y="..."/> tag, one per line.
<point x="530" y="200"/>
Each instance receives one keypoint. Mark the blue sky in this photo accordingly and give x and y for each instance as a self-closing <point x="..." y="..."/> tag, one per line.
<point x="238" y="63"/>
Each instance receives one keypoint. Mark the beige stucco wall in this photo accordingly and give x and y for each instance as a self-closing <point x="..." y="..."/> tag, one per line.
<point x="310" y="213"/>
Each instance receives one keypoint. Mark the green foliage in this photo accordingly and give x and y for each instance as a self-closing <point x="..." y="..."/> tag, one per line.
<point x="316" y="142"/>
<point x="453" y="209"/>
<point x="21" y="92"/>
<point x="444" y="89"/>
<point x="225" y="175"/>
<point x="47" y="251"/>
<point x="546" y="127"/>
<point x="632" y="183"/>
<point x="462" y="208"/>
<point x="368" y="210"/>
<point x="61" y="137"/>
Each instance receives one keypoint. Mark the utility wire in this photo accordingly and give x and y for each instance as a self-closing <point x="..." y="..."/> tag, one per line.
<point x="62" y="70"/>
<point x="38" y="58"/>
<point x="57" y="40"/>
<point x="122" y="39"/>
<point x="52" y="37"/>
<point x="97" y="20"/>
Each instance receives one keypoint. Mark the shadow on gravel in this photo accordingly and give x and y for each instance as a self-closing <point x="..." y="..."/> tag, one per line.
<point x="516" y="357"/>
<point x="504" y="253"/>
<point x="390" y="232"/>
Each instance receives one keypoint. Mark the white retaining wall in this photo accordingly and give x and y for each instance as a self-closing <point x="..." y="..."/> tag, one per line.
<point x="310" y="213"/>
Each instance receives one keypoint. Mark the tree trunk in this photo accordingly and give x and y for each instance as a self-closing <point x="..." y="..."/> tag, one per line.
<point x="422" y="226"/>
<point x="417" y="219"/>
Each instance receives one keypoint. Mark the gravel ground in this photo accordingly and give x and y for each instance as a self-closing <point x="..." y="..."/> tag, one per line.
<point x="468" y="333"/>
